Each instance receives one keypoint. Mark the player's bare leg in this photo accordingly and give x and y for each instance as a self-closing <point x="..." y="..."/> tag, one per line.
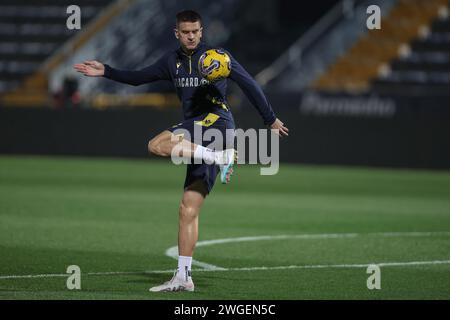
<point x="190" y="205"/>
<point x="164" y="143"/>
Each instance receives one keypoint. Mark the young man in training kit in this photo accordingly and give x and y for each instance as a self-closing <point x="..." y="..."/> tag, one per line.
<point x="204" y="106"/>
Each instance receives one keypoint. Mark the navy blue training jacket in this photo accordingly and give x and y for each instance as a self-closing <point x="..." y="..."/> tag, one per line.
<point x="197" y="94"/>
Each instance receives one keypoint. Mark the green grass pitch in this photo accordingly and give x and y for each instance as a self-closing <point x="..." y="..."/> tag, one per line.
<point x="115" y="219"/>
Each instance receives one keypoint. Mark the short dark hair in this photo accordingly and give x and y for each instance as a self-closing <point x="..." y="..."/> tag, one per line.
<point x="188" y="16"/>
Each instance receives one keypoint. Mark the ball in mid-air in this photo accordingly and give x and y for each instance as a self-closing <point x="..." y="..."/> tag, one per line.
<point x="214" y="64"/>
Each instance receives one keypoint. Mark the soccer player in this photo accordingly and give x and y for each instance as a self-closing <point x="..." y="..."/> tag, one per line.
<point x="204" y="106"/>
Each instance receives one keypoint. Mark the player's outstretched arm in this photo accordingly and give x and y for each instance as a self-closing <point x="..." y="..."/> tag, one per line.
<point x="90" y="68"/>
<point x="154" y="72"/>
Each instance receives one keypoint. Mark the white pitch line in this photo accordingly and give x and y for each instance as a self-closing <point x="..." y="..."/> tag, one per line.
<point x="317" y="266"/>
<point x="48" y="275"/>
<point x="172" y="252"/>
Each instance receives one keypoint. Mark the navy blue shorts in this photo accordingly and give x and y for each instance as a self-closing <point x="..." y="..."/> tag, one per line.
<point x="197" y="130"/>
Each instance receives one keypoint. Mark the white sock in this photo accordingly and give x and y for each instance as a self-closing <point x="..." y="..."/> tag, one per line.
<point x="184" y="267"/>
<point x="208" y="155"/>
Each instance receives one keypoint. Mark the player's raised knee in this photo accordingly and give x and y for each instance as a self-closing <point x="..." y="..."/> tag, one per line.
<point x="154" y="147"/>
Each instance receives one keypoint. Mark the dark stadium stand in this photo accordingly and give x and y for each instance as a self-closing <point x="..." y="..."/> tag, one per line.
<point x="30" y="32"/>
<point x="424" y="68"/>
<point x="267" y="28"/>
<point x="372" y="53"/>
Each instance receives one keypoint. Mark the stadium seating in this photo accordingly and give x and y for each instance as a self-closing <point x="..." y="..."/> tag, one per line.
<point x="31" y="31"/>
<point x="267" y="29"/>
<point x="371" y="55"/>
<point x="325" y="40"/>
<point x="423" y="66"/>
